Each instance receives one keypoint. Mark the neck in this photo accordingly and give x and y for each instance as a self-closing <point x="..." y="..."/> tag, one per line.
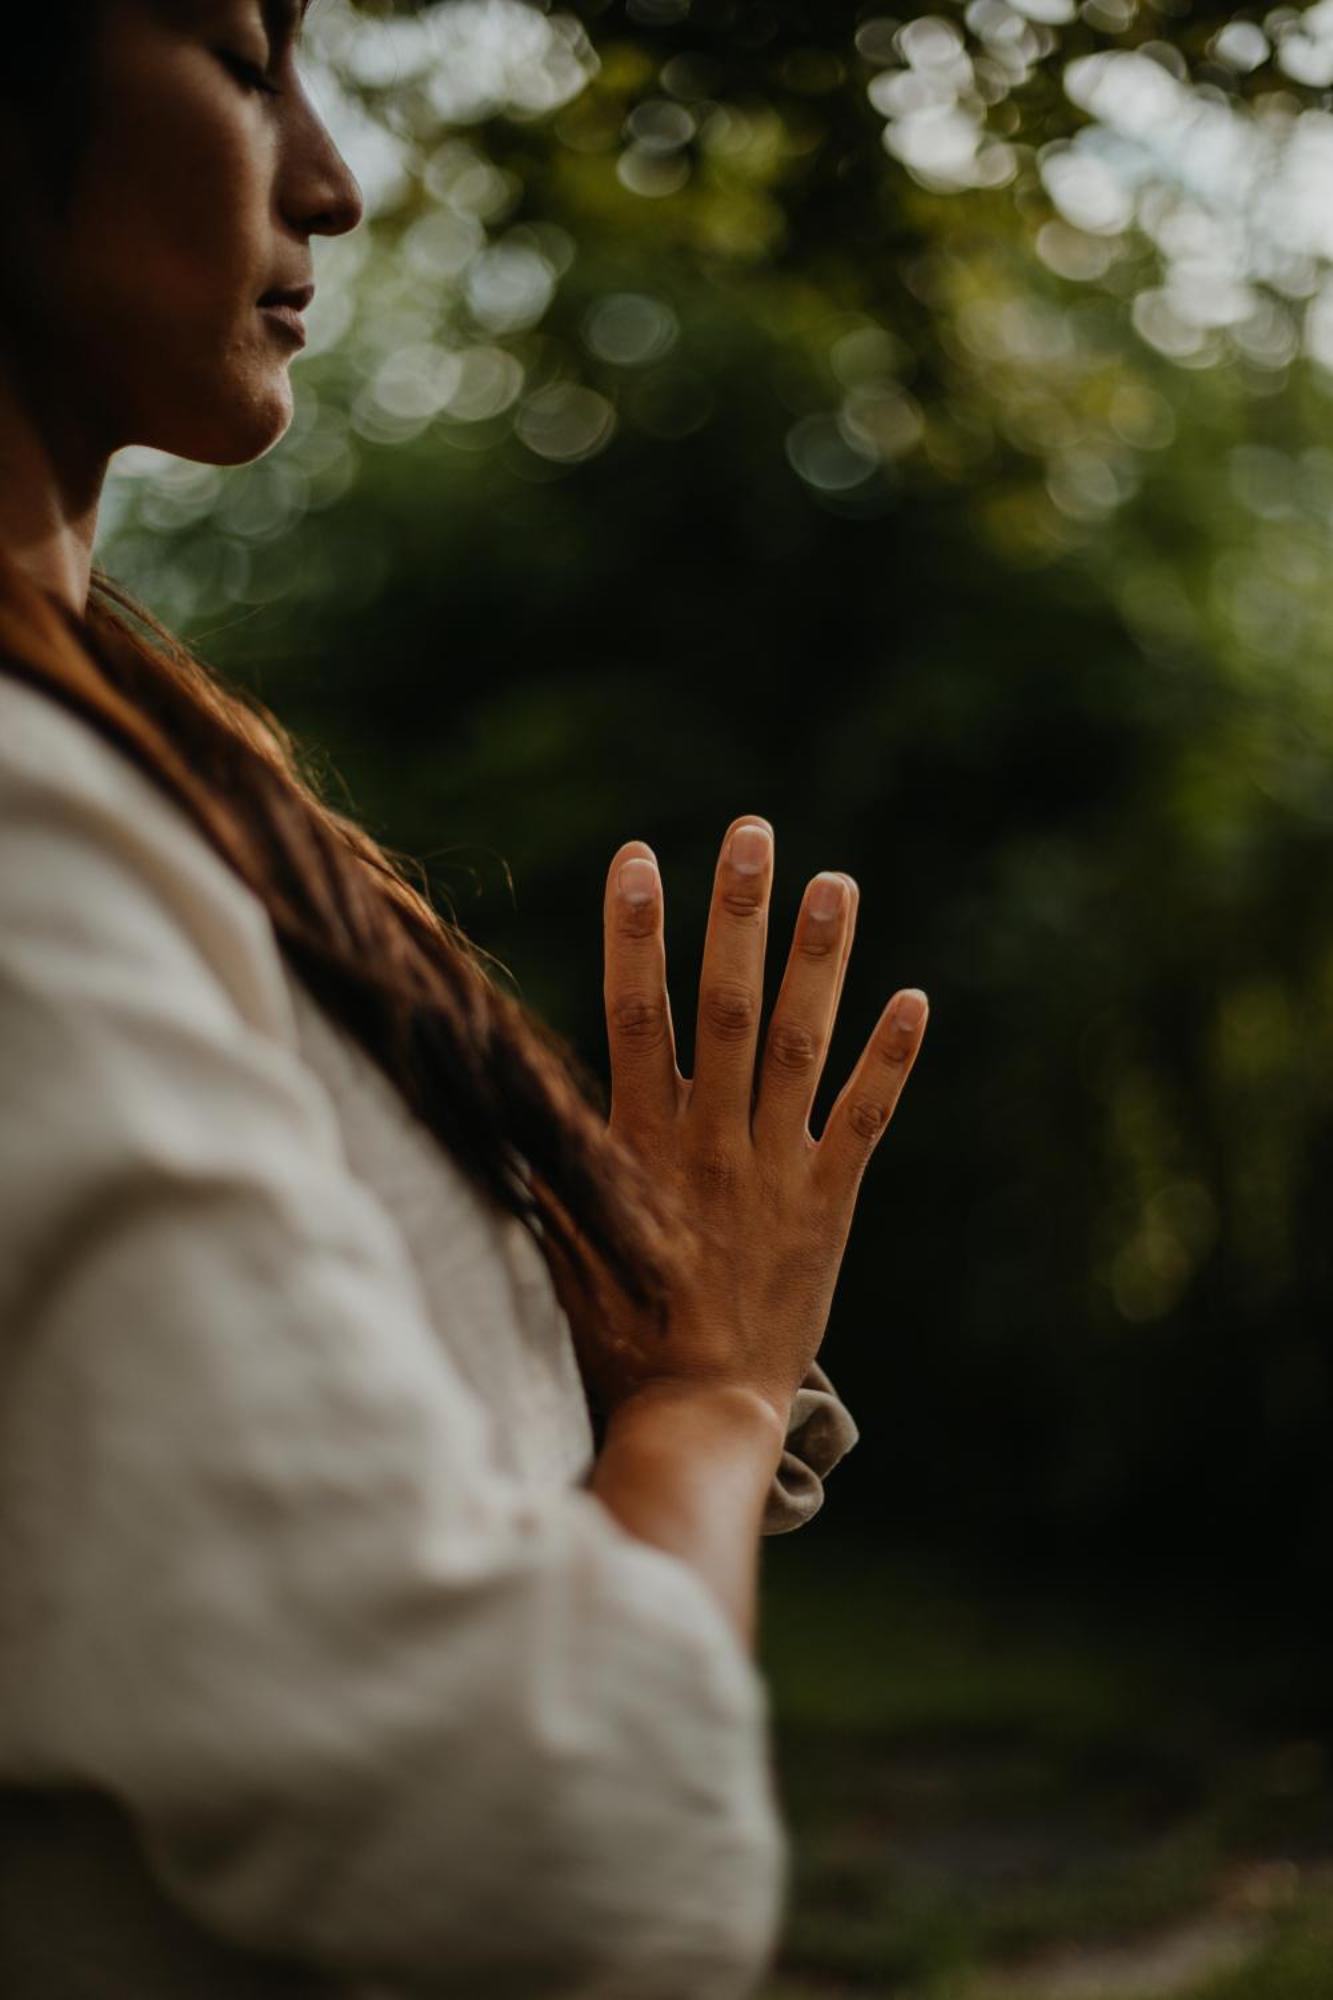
<point x="50" y="488"/>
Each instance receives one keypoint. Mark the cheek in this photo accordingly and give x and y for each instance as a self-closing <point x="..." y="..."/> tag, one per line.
<point x="184" y="201"/>
<point x="173" y="242"/>
<point x="135" y="303"/>
<point x="174" y="188"/>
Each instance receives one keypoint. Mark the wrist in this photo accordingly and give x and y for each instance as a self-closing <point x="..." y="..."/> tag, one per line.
<point x="686" y="1464"/>
<point x="723" y="1406"/>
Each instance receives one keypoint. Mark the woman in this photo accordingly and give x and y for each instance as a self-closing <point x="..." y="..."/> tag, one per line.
<point x="341" y="1651"/>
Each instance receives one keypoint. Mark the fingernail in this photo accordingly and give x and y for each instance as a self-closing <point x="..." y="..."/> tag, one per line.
<point x="748" y="848"/>
<point x="827" y="893"/>
<point x="910" y="1011"/>
<point x="636" y="881"/>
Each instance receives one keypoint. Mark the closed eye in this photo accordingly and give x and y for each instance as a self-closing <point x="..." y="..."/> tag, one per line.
<point x="251" y="74"/>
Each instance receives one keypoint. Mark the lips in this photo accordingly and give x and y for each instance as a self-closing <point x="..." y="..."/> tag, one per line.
<point x="298" y="297"/>
<point x="284" y="306"/>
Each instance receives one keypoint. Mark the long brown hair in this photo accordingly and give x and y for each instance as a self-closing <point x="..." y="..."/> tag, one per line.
<point x="502" y="1091"/>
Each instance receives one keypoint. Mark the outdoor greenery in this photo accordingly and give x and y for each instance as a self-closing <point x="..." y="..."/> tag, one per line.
<point x="917" y="430"/>
<point x="1044" y="1795"/>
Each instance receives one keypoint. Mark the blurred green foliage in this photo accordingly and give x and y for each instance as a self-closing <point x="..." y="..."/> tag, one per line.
<point x="914" y="429"/>
<point x="1039" y="1795"/>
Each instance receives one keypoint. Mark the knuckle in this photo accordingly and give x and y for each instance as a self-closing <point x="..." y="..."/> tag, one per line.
<point x="743" y="903"/>
<point x="729" y="1010"/>
<point x="713" y="1171"/>
<point x="894" y="1052"/>
<point x="791" y="1046"/>
<point x="867" y="1117"/>
<point x="818" y="941"/>
<point x="636" y="920"/>
<point x="639" y="1019"/>
<point x="816" y="948"/>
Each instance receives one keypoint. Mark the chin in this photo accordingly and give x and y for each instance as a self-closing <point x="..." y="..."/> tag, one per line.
<point x="230" y="429"/>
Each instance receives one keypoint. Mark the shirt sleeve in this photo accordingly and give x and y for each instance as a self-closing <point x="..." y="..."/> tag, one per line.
<point x="368" y="1703"/>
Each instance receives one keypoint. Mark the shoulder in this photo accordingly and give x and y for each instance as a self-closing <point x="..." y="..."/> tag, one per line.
<point x="92" y="848"/>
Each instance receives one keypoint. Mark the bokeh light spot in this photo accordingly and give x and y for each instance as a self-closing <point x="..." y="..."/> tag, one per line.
<point x="630" y="329"/>
<point x="565" y="423"/>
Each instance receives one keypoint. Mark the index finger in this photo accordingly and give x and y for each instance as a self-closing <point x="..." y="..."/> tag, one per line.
<point x="644" y="1076"/>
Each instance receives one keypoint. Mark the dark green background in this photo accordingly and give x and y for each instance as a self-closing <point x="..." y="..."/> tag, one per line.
<point x="1085" y="1312"/>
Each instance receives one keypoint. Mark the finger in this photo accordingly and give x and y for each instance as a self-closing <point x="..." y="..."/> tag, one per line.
<point x="797" y="1043"/>
<point x="644" y="1077"/>
<point x="849" y="932"/>
<point x="868" y="1099"/>
<point x="731" y="983"/>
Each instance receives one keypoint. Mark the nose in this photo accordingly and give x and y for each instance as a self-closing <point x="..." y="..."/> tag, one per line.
<point x="319" y="193"/>
<point x="343" y="206"/>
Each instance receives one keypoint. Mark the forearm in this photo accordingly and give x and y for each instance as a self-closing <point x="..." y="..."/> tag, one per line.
<point x="688" y="1468"/>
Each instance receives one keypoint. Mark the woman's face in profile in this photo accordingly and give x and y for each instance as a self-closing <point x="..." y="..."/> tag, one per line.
<point x="198" y="172"/>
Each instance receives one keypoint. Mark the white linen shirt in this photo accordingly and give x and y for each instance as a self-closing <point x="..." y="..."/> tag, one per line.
<point x="296" y="1574"/>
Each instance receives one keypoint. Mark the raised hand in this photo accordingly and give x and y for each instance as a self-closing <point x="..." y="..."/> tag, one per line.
<point x="770" y="1204"/>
